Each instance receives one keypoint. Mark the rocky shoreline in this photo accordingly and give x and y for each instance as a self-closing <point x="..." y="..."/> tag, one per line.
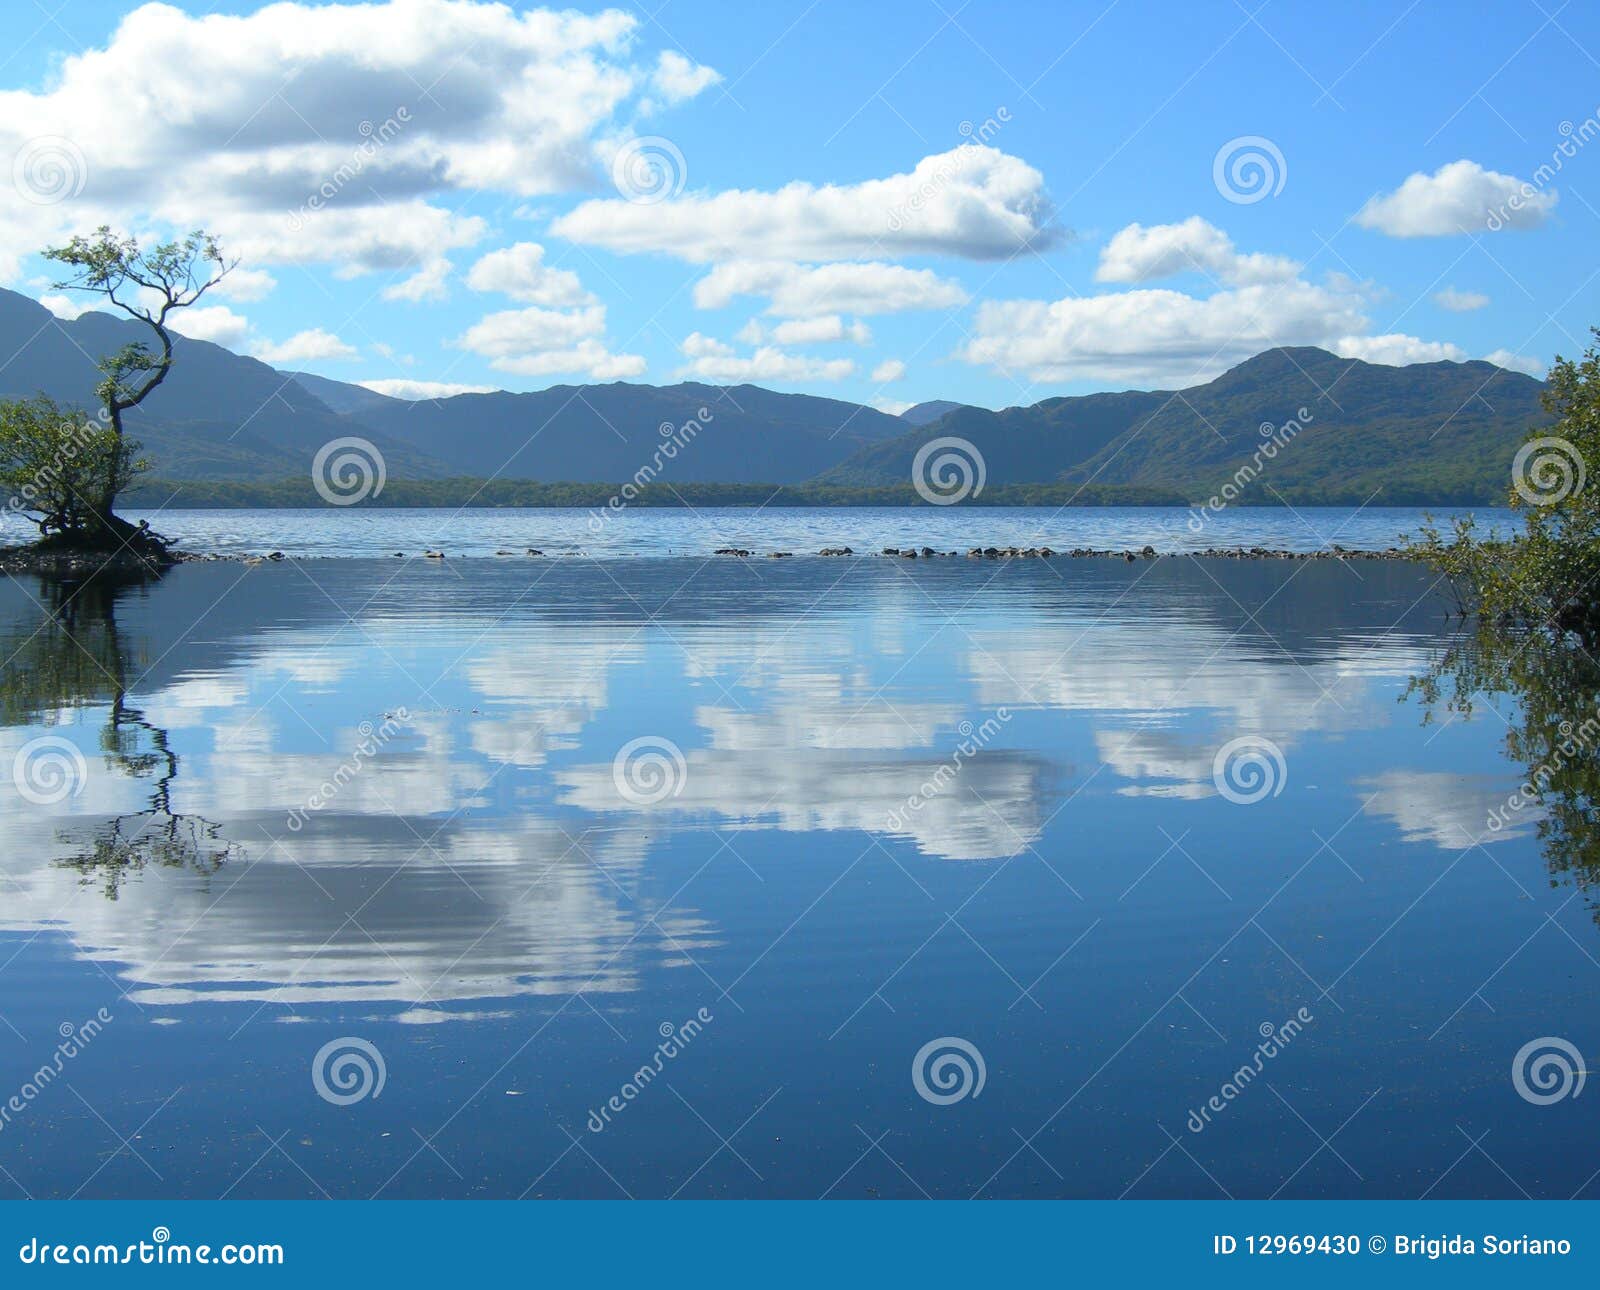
<point x="82" y="564"/>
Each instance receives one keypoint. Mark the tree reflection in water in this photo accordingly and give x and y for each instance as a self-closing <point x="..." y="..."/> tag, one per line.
<point x="78" y="658"/>
<point x="1552" y="730"/>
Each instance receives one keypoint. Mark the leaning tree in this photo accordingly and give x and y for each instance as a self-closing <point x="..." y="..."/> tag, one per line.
<point x="147" y="285"/>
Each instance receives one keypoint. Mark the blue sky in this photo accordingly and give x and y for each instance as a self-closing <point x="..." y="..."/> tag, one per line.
<point x="503" y="136"/>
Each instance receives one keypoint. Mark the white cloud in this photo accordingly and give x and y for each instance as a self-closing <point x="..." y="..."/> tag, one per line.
<point x="973" y="201"/>
<point x="587" y="358"/>
<point x="366" y="109"/>
<point x="519" y="331"/>
<point x="1143" y="254"/>
<point x="66" y="307"/>
<point x="1397" y="350"/>
<point x="542" y="342"/>
<point x="1156" y="335"/>
<point x="305" y="347"/>
<point x="805" y="290"/>
<point x="714" y="360"/>
<point x="246" y="285"/>
<point x="1460" y="302"/>
<point x="676" y="78"/>
<point x="1523" y="363"/>
<point x="427" y="283"/>
<point x="519" y="271"/>
<point x="216" y="323"/>
<point x="1461" y="197"/>
<point x="808" y="331"/>
<point x="891" y="369"/>
<point x="894" y="407"/>
<point x="412" y="391"/>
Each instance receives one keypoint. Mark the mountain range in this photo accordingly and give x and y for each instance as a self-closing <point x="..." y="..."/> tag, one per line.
<point x="1432" y="432"/>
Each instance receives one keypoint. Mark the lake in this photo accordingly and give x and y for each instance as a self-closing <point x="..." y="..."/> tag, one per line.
<point x="707" y="878"/>
<point x="331" y="531"/>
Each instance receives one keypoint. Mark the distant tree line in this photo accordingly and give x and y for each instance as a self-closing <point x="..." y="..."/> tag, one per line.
<point x="495" y="493"/>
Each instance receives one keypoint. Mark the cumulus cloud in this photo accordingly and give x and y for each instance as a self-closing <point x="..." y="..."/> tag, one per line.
<point x="1160" y="336"/>
<point x="1461" y="197"/>
<point x="891" y="369"/>
<point x="412" y="391"/>
<point x="305" y="347"/>
<point x="1397" y="350"/>
<point x="427" y="283"/>
<point x="1156" y="335"/>
<point x="1144" y="254"/>
<point x="714" y="360"/>
<point x="319" y="132"/>
<point x="544" y="342"/>
<point x="66" y="307"/>
<point x="808" y="331"/>
<point x="676" y="78"/>
<point x="519" y="271"/>
<point x="246" y="285"/>
<point x="216" y="323"/>
<point x="805" y="290"/>
<point x="1523" y="363"/>
<point x="973" y="201"/>
<point x="1460" y="302"/>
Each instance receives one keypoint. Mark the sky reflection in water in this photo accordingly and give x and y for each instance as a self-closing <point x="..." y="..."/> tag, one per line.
<point x="1075" y="898"/>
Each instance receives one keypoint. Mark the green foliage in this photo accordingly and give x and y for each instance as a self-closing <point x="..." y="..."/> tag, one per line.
<point x="1548" y="576"/>
<point x="1552" y="731"/>
<point x="147" y="285"/>
<point x="57" y="463"/>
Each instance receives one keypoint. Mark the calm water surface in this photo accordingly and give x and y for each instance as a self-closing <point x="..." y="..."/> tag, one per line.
<point x="877" y="805"/>
<point x="700" y="531"/>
